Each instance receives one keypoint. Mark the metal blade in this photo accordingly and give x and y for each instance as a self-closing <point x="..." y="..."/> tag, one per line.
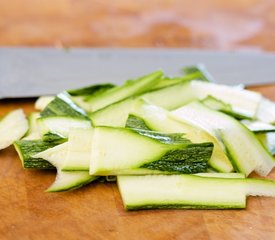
<point x="29" y="72"/>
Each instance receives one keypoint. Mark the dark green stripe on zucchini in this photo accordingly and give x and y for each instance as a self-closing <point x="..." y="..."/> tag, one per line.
<point x="28" y="148"/>
<point x="191" y="159"/>
<point x="63" y="105"/>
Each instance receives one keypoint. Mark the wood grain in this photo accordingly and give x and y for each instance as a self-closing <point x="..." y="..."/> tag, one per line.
<point x="96" y="211"/>
<point x="209" y="24"/>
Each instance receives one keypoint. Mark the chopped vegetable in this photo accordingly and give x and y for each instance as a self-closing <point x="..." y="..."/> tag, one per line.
<point x="171" y="142"/>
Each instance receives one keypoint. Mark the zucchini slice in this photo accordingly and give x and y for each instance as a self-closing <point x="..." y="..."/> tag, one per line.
<point x="79" y="150"/>
<point x="121" y="151"/>
<point x="266" y="111"/>
<point x="129" y="88"/>
<point x="190" y="191"/>
<point x="158" y="119"/>
<point x="13" y="126"/>
<point x="245" y="151"/>
<point x="65" y="180"/>
<point x="61" y="125"/>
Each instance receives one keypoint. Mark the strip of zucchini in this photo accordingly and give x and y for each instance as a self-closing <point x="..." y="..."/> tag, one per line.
<point x="190" y="191"/>
<point x="33" y="132"/>
<point x="258" y="126"/>
<point x="243" y="148"/>
<point x="42" y="102"/>
<point x="65" y="180"/>
<point x="158" y="119"/>
<point x="63" y="105"/>
<point x="61" y="125"/>
<point x="219" y="105"/>
<point x="79" y="150"/>
<point x="121" y="151"/>
<point x="27" y="148"/>
<point x="129" y="88"/>
<point x="268" y="141"/>
<point x="243" y="102"/>
<point x="266" y="111"/>
<point x="13" y="126"/>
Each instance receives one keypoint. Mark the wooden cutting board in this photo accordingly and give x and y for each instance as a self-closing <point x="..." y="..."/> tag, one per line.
<point x="96" y="211"/>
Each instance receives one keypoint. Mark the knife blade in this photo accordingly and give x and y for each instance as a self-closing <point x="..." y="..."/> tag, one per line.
<point x="31" y="72"/>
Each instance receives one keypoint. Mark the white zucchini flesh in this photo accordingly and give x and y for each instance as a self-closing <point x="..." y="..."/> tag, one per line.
<point x="246" y="152"/>
<point x="61" y="125"/>
<point x="180" y="191"/>
<point x="42" y="102"/>
<point x="158" y="119"/>
<point x="65" y="180"/>
<point x="33" y="132"/>
<point x="244" y="102"/>
<point x="258" y="126"/>
<point x="12" y="128"/>
<point x="79" y="150"/>
<point x="117" y="149"/>
<point x="114" y="115"/>
<point x="266" y="111"/>
<point x="190" y="191"/>
<point x="268" y="141"/>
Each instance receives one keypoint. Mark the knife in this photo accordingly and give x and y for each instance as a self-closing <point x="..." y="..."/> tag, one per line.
<point x="31" y="72"/>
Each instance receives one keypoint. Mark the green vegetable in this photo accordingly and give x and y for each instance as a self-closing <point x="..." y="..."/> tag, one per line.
<point x="13" y="126"/>
<point x="65" y="180"/>
<point x="119" y="151"/>
<point x="243" y="148"/>
<point x="158" y="119"/>
<point x="26" y="149"/>
<point x="190" y="191"/>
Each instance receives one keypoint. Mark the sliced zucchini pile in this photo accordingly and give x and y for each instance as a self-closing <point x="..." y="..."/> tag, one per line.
<point x="180" y="142"/>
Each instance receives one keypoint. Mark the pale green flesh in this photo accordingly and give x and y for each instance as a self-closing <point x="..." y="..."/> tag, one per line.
<point x="268" y="141"/>
<point x="190" y="191"/>
<point x="65" y="180"/>
<point x="42" y="102"/>
<point x="245" y="151"/>
<point x="258" y="126"/>
<point x="177" y="95"/>
<point x="128" y="89"/>
<point x="33" y="132"/>
<point x="68" y="180"/>
<point x="158" y="119"/>
<point x="79" y="150"/>
<point x="61" y="125"/>
<point x="180" y="191"/>
<point x="12" y="128"/>
<point x="114" y="115"/>
<point x="266" y="111"/>
<point x="242" y="101"/>
<point x="108" y="155"/>
<point x="171" y="97"/>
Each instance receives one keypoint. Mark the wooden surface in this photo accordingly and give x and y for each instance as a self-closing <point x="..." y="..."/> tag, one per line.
<point x="210" y="24"/>
<point x="96" y="211"/>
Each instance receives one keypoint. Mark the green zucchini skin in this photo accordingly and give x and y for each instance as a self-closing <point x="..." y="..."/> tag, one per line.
<point x="243" y="148"/>
<point x="116" y="150"/>
<point x="26" y="149"/>
<point x="129" y="88"/>
<point x="200" y="71"/>
<point x="63" y="105"/>
<point x="148" y="116"/>
<point x="90" y="90"/>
